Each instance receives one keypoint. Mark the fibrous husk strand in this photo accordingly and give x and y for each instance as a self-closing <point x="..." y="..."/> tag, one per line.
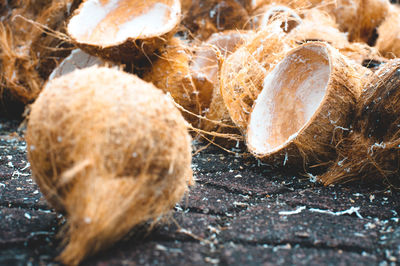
<point x="109" y="150"/>
<point x="371" y="151"/>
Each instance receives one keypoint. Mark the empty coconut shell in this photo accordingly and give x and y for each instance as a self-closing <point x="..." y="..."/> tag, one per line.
<point x="124" y="30"/>
<point x="371" y="150"/>
<point x="243" y="72"/>
<point x="303" y="107"/>
<point x="110" y="151"/>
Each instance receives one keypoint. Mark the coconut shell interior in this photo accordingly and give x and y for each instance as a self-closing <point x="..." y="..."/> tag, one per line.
<point x="291" y="95"/>
<point x="110" y="22"/>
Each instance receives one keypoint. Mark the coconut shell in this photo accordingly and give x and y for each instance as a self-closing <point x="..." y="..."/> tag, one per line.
<point x="263" y="15"/>
<point x="110" y="151"/>
<point x="78" y="59"/>
<point x="243" y="72"/>
<point x="304" y="107"/>
<point x="112" y="30"/>
<point x="359" y="18"/>
<point x="210" y="16"/>
<point x="319" y="26"/>
<point x="171" y="73"/>
<point x="205" y="67"/>
<point x="371" y="151"/>
<point x="29" y="51"/>
<point x="388" y="42"/>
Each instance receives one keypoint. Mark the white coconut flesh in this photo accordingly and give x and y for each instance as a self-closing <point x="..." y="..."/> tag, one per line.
<point x="291" y="96"/>
<point x="110" y="22"/>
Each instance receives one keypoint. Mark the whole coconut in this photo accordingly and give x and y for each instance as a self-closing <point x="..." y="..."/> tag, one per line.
<point x="110" y="151"/>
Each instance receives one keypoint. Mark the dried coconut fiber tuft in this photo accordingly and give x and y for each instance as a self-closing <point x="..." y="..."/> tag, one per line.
<point x="371" y="151"/>
<point x="110" y="151"/>
<point x="304" y="107"/>
<point x="124" y="30"/>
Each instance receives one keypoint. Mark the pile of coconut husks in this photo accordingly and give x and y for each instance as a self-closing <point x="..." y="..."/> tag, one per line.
<point x="113" y="88"/>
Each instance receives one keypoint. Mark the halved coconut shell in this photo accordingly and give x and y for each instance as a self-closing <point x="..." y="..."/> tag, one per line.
<point x="371" y="152"/>
<point x="303" y="107"/>
<point x="124" y="30"/>
<point x="205" y="67"/>
<point x="78" y="59"/>
<point x="243" y="72"/>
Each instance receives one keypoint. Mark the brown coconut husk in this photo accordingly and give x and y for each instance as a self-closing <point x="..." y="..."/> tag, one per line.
<point x="263" y="15"/>
<point x="371" y="150"/>
<point x="319" y="26"/>
<point x="303" y="107"/>
<point x="171" y="73"/>
<point x="359" y="18"/>
<point x="205" y="67"/>
<point x="30" y="47"/>
<point x="110" y="151"/>
<point x="128" y="31"/>
<point x="388" y="42"/>
<point x="78" y="59"/>
<point x="206" y="17"/>
<point x="243" y="72"/>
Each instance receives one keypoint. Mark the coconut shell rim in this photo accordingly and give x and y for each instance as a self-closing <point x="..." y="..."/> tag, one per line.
<point x="178" y="11"/>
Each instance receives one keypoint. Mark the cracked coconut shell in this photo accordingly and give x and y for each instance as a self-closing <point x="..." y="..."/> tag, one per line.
<point x="304" y="107"/>
<point x="124" y="30"/>
<point x="371" y="150"/>
<point x="110" y="151"/>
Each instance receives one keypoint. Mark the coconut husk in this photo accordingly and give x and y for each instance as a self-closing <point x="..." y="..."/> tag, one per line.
<point x="243" y="72"/>
<point x="210" y="16"/>
<point x="359" y="18"/>
<point x="363" y="54"/>
<point x="125" y="31"/>
<point x="319" y="26"/>
<point x="110" y="151"/>
<point x="263" y="15"/>
<point x="388" y="42"/>
<point x="78" y="59"/>
<point x="171" y="73"/>
<point x="30" y="46"/>
<point x="304" y="107"/>
<point x="205" y="67"/>
<point x="371" y="150"/>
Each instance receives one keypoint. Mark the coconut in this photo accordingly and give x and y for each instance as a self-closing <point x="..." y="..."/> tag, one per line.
<point x="303" y="107"/>
<point x="359" y="18"/>
<point x="210" y="16"/>
<point x="319" y="26"/>
<point x="110" y="151"/>
<point x="30" y="46"/>
<point x="388" y="42"/>
<point x="371" y="151"/>
<point x="363" y="54"/>
<point x="123" y="30"/>
<point x="266" y="13"/>
<point x="205" y="67"/>
<point x="243" y="72"/>
<point x="171" y="73"/>
<point x="78" y="59"/>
